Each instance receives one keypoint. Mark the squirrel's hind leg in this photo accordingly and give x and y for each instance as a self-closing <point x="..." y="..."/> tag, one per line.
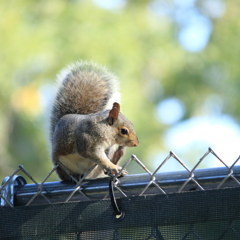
<point x="62" y="174"/>
<point x="65" y="177"/>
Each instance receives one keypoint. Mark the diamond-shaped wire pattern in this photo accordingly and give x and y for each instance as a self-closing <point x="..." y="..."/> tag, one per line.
<point x="151" y="182"/>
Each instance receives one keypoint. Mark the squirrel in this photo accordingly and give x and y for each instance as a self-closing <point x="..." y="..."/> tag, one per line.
<point x="86" y="122"/>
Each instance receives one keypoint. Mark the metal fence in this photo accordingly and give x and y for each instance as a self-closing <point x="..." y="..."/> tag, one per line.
<point x="15" y="192"/>
<point x="189" y="204"/>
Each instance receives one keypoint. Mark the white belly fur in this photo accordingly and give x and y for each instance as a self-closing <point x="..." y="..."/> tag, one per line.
<point x="78" y="165"/>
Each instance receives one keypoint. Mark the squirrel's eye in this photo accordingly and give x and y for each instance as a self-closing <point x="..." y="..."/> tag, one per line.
<point x="124" y="131"/>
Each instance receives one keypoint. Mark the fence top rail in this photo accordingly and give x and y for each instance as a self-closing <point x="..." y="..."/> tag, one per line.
<point x="131" y="185"/>
<point x="16" y="192"/>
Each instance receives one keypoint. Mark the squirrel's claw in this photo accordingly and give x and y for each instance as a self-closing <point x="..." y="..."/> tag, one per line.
<point x="113" y="172"/>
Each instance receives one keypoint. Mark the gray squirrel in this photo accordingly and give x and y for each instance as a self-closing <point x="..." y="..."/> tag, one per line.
<point x="86" y="122"/>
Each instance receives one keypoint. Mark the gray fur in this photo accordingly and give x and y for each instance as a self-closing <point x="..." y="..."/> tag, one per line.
<point x="81" y="135"/>
<point x="78" y="92"/>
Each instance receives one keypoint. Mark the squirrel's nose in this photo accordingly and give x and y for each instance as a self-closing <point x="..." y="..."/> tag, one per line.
<point x="135" y="144"/>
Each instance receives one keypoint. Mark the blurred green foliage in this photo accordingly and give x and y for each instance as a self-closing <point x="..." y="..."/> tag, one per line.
<point x="38" y="38"/>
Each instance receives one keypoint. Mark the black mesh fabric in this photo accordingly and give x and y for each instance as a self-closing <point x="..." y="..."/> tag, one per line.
<point x="211" y="214"/>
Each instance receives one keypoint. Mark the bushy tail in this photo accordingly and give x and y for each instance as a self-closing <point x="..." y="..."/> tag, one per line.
<point x="84" y="88"/>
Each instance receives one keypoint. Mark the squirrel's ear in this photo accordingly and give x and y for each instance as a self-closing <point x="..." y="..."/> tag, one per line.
<point x="113" y="114"/>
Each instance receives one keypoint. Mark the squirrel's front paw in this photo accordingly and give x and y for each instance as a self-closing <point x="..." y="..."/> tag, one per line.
<point x="115" y="170"/>
<point x="123" y="173"/>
